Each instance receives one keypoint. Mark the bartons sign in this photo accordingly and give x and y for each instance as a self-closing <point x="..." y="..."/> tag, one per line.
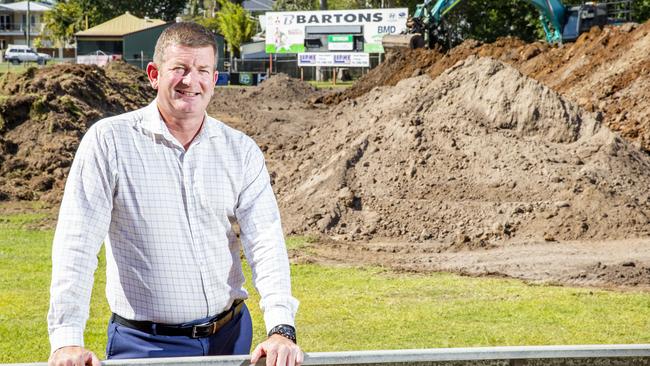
<point x="333" y="18"/>
<point x="285" y="31"/>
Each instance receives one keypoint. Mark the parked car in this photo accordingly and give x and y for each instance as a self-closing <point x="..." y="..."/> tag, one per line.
<point x="20" y="53"/>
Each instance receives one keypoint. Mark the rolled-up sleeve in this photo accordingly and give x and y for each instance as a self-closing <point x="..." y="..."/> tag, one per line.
<point x="263" y="241"/>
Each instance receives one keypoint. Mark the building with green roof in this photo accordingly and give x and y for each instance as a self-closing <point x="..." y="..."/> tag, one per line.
<point x="133" y="38"/>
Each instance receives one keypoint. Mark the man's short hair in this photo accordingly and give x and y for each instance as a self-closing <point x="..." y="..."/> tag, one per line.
<point x="186" y="34"/>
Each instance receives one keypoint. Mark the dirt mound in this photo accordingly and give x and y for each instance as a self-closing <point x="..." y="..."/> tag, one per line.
<point x="277" y="114"/>
<point x="610" y="74"/>
<point x="479" y="155"/>
<point x="410" y="63"/>
<point x="606" y="70"/>
<point x="283" y="87"/>
<point x="45" y="112"/>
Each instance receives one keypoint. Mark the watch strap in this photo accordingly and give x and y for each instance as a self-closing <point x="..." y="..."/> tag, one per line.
<point x="285" y="330"/>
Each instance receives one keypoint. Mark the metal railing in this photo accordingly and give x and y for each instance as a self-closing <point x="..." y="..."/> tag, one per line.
<point x="621" y="10"/>
<point x="20" y="28"/>
<point x="601" y="355"/>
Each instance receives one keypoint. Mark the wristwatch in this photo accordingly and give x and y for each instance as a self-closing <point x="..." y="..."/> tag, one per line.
<point x="284" y="330"/>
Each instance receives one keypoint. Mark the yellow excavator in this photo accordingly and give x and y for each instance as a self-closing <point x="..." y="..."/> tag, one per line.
<point x="560" y="23"/>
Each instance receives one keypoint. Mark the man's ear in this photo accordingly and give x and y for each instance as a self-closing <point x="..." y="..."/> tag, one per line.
<point x="152" y="74"/>
<point x="216" y="76"/>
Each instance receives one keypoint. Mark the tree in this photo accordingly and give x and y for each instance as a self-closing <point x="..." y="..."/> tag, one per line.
<point x="69" y="17"/>
<point x="487" y="20"/>
<point x="235" y="25"/>
<point x="641" y="10"/>
<point x="160" y="9"/>
<point x="295" y="5"/>
<point x="209" y="22"/>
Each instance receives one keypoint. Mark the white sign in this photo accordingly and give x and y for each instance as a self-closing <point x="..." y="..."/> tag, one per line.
<point x="341" y="59"/>
<point x="99" y="60"/>
<point x="285" y="31"/>
<point x="340" y="46"/>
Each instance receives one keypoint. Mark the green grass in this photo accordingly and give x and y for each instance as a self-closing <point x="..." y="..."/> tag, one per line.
<point x="22" y="67"/>
<point x="6" y="67"/>
<point x="345" y="308"/>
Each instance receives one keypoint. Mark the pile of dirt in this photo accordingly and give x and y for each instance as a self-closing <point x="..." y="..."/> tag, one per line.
<point x="606" y="70"/>
<point x="284" y="88"/>
<point x="411" y="63"/>
<point x="45" y="112"/>
<point x="479" y="155"/>
<point x="277" y="114"/>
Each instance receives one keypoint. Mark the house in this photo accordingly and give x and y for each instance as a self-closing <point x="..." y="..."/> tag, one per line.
<point x="256" y="7"/>
<point x="13" y="22"/>
<point x="128" y="36"/>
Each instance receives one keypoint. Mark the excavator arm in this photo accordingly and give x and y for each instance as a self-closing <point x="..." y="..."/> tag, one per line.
<point x="426" y="20"/>
<point x="552" y="16"/>
<point x="421" y="26"/>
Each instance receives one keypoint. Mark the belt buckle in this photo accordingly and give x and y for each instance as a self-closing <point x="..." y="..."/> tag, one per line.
<point x="203" y="330"/>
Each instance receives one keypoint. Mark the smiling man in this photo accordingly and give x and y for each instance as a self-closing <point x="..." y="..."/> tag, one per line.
<point x="161" y="187"/>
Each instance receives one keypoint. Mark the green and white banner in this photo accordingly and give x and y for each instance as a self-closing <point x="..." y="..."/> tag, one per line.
<point x="339" y="42"/>
<point x="285" y="31"/>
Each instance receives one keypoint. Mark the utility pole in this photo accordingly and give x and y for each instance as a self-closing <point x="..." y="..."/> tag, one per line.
<point x="323" y="6"/>
<point x="29" y="24"/>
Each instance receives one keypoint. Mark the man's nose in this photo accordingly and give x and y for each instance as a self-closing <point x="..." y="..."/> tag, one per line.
<point x="187" y="78"/>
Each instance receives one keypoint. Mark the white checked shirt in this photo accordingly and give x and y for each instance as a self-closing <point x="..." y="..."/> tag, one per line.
<point x="165" y="215"/>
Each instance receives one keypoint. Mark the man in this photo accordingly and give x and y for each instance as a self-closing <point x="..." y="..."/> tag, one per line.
<point x="161" y="186"/>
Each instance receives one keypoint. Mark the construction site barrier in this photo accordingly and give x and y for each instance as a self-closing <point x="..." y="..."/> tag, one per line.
<point x="583" y="355"/>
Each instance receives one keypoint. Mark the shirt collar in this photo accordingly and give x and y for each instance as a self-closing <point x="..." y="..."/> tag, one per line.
<point x="154" y="123"/>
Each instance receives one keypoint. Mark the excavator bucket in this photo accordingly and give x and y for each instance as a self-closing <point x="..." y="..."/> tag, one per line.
<point x="402" y="41"/>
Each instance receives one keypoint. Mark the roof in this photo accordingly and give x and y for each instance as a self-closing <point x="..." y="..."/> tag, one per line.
<point x="258" y="5"/>
<point x="122" y="25"/>
<point x="22" y="6"/>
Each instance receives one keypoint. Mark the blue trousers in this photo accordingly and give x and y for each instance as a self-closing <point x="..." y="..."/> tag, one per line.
<point x="234" y="338"/>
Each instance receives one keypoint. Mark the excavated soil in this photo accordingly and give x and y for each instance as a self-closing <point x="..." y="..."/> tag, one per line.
<point x="503" y="159"/>
<point x="482" y="171"/>
<point x="478" y="155"/>
<point x="605" y="70"/>
<point x="43" y="114"/>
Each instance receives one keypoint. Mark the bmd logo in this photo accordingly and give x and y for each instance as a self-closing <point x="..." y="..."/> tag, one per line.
<point x="386" y="29"/>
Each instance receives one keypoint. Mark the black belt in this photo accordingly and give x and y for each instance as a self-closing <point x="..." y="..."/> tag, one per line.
<point x="194" y="331"/>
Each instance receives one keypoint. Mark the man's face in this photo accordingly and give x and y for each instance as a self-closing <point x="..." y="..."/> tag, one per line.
<point x="185" y="81"/>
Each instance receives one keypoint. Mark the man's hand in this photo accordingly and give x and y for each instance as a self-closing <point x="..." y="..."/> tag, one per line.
<point x="279" y="351"/>
<point x="73" y="356"/>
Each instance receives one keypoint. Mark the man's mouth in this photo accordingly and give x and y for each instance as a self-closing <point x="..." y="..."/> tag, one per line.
<point x="187" y="93"/>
